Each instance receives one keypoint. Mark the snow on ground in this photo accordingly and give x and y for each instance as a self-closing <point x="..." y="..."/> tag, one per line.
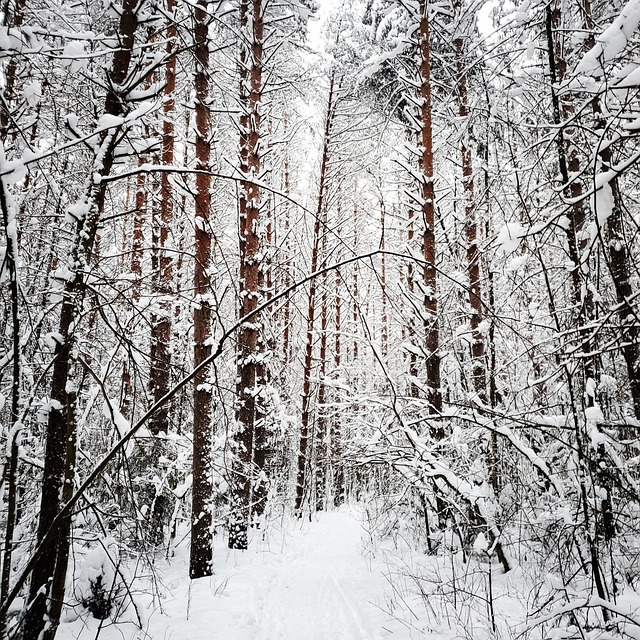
<point x="314" y="585"/>
<point x="303" y="581"/>
<point x="358" y="573"/>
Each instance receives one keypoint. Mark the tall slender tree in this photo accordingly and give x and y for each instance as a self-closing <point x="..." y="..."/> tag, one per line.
<point x="250" y="411"/>
<point x="428" y="201"/>
<point x="159" y="375"/>
<point x="201" y="558"/>
<point x="304" y="461"/>
<point x="46" y="593"/>
<point x="479" y="375"/>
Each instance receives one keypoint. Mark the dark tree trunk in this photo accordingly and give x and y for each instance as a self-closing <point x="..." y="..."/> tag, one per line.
<point x="160" y="373"/>
<point x="413" y="357"/>
<point x="337" y="464"/>
<point x="303" y="450"/>
<point x="354" y="310"/>
<point x="384" y="320"/>
<point x="201" y="558"/>
<point x="250" y="410"/>
<point x="569" y="165"/>
<point x="320" y="439"/>
<point x="287" y="266"/>
<point x="428" y="197"/>
<point x="479" y="374"/>
<point x="60" y="434"/>
<point x="11" y="469"/>
<point x="13" y="20"/>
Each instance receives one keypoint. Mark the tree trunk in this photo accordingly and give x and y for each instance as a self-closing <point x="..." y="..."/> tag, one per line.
<point x="11" y="258"/>
<point x="337" y="464"/>
<point x="12" y="20"/>
<point x="321" y="412"/>
<point x="286" y="316"/>
<point x="201" y="557"/>
<point x="303" y="461"/>
<point x="160" y="373"/>
<point x="479" y="375"/>
<point x="354" y="310"/>
<point x="137" y="242"/>
<point x="13" y="434"/>
<point x="618" y="260"/>
<point x="250" y="413"/>
<point x="384" y="320"/>
<point x="569" y="165"/>
<point x="429" y="274"/>
<point x="60" y="434"/>
<point x="413" y="357"/>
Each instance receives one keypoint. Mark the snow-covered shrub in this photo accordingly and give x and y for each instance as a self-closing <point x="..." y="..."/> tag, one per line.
<point x="99" y="587"/>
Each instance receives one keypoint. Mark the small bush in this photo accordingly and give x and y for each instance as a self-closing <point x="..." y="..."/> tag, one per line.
<point x="100" y="602"/>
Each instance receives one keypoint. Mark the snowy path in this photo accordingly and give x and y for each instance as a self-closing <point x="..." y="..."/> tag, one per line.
<point x="316" y="585"/>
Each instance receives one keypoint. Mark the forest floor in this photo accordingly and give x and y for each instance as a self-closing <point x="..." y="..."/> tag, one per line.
<point x="350" y="574"/>
<point x="313" y="583"/>
<point x="301" y="581"/>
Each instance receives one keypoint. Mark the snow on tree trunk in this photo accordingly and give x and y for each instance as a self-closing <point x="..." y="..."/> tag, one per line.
<point x="428" y="198"/>
<point x="42" y="615"/>
<point x="250" y="410"/>
<point x="7" y="208"/>
<point x="201" y="552"/>
<point x="160" y="371"/>
<point x="303" y="469"/>
<point x="478" y="365"/>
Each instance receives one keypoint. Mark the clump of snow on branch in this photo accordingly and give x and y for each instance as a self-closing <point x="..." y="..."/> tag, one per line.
<point x="611" y="41"/>
<point x="510" y="236"/>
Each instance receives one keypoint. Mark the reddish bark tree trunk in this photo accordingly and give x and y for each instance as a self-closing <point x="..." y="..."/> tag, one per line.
<point x="321" y="415"/>
<point x="478" y="364"/>
<point x="137" y="242"/>
<point x="160" y="373"/>
<point x="201" y="558"/>
<point x="250" y="346"/>
<point x="429" y="274"/>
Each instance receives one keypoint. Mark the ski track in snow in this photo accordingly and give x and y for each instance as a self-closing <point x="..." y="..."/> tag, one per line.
<point x="316" y="585"/>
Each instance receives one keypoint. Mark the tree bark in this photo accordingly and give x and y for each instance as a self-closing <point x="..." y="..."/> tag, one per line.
<point x="569" y="165"/>
<point x="335" y="435"/>
<point x="201" y="555"/>
<point x="320" y="439"/>
<point x="478" y="364"/>
<point x="60" y="434"/>
<point x="160" y="373"/>
<point x="617" y="247"/>
<point x="384" y="320"/>
<point x="303" y="458"/>
<point x="250" y="412"/>
<point x="286" y="316"/>
<point x="13" y="434"/>
<point x="355" y="294"/>
<point x="14" y="21"/>
<point x="413" y="357"/>
<point x="429" y="274"/>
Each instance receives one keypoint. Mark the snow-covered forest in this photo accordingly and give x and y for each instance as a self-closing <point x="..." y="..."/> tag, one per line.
<point x="320" y="319"/>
